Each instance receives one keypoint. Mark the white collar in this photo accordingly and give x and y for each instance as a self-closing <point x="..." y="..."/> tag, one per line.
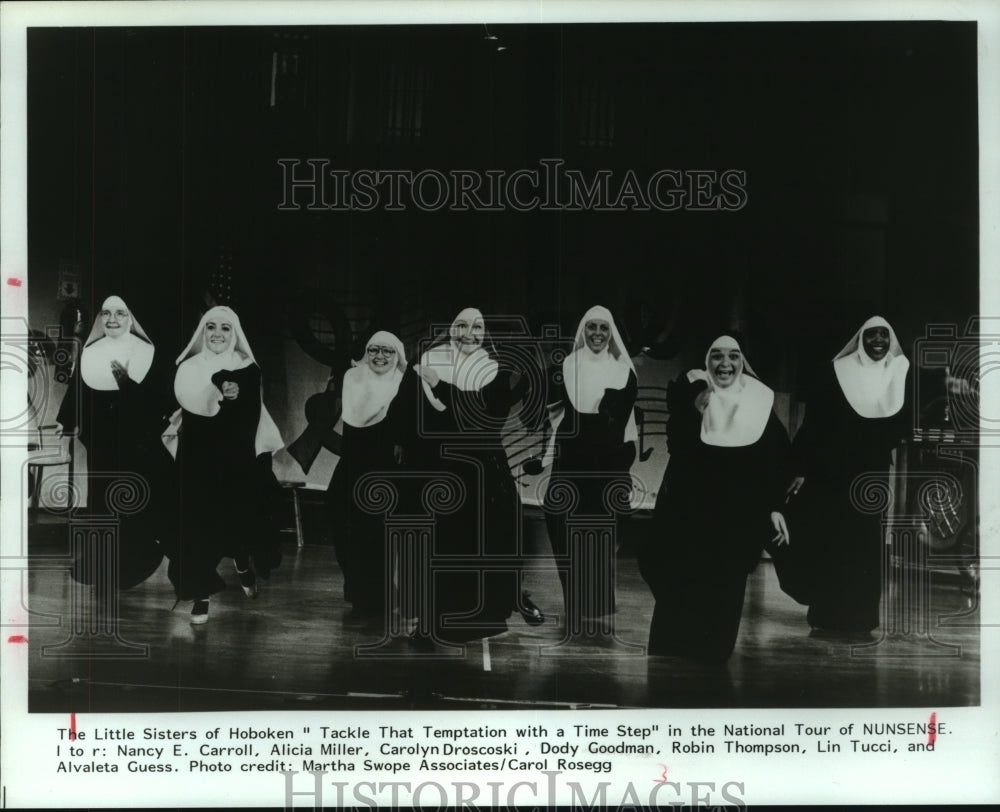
<point x="736" y="415"/>
<point x="366" y="394"/>
<point x="872" y="388"/>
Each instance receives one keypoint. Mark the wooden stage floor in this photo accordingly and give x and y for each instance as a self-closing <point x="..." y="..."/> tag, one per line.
<point x="294" y="648"/>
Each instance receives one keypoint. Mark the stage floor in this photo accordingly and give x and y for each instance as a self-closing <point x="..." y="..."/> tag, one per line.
<point x="294" y="647"/>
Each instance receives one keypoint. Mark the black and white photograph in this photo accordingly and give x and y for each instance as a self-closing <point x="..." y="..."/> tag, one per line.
<point x="596" y="386"/>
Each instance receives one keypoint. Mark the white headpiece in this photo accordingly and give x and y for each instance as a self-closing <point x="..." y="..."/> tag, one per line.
<point x="469" y="372"/>
<point x="873" y="388"/>
<point x="132" y="350"/>
<point x="197" y="364"/>
<point x="367" y="393"/>
<point x="587" y="374"/>
<point x="735" y="415"/>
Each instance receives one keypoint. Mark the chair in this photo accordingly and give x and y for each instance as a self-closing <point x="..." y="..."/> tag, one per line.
<point x="48" y="450"/>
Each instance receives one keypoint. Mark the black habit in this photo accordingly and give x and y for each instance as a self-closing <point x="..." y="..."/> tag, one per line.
<point x="229" y="495"/>
<point x="473" y="596"/>
<point x="592" y="459"/>
<point x="710" y="524"/>
<point x="120" y="429"/>
<point x="835" y="566"/>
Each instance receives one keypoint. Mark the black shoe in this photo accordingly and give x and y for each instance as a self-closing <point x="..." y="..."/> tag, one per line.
<point x="532" y="614"/>
<point x="248" y="580"/>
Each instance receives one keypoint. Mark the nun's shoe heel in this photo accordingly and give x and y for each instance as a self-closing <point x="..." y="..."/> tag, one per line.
<point x="532" y="614"/>
<point x="248" y="581"/>
<point x="199" y="612"/>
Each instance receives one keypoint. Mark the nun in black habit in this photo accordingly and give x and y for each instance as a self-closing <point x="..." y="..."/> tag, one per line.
<point x="370" y="437"/>
<point x="591" y="396"/>
<point x="463" y="398"/>
<point x="718" y="507"/>
<point x="119" y="391"/>
<point x="226" y="439"/>
<point x="854" y="419"/>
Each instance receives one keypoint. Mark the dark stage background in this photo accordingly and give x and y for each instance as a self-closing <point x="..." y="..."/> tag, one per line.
<point x="153" y="167"/>
<point x="153" y="171"/>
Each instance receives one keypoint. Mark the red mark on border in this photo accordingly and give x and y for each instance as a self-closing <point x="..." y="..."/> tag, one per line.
<point x="13" y="281"/>
<point x="72" y="726"/>
<point x="663" y="778"/>
<point x="17" y="638"/>
<point x="932" y="733"/>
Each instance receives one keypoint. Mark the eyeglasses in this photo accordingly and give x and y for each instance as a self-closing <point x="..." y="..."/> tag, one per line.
<point x="118" y="314"/>
<point x="388" y="352"/>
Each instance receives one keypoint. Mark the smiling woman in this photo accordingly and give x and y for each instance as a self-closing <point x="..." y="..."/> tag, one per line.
<point x="855" y="417"/>
<point x="118" y="401"/>
<point x="591" y="396"/>
<point x="452" y="435"/>
<point x="721" y="496"/>
<point x="224" y="460"/>
<point x="725" y="364"/>
<point x="370" y="435"/>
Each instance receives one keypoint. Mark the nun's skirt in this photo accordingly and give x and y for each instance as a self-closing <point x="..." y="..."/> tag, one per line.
<point x="835" y="563"/>
<point x="469" y="601"/>
<point x="230" y="501"/>
<point x="699" y="618"/>
<point x="359" y="535"/>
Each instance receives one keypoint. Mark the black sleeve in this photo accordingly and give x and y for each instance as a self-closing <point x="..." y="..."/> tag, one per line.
<point x="159" y="383"/>
<point x="152" y="399"/>
<point x="137" y="410"/>
<point x="145" y="411"/>
<point x="135" y="396"/>
<point x="780" y="462"/>
<point x="617" y="404"/>
<point x="803" y="457"/>
<point x="905" y="419"/>
<point x="247" y="404"/>
<point x="684" y="419"/>
<point x="401" y="419"/>
<point x="443" y="392"/>
<point x="400" y="410"/>
<point x="498" y="396"/>
<point x="807" y="450"/>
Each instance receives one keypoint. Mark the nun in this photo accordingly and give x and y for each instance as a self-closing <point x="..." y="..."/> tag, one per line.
<point x="591" y="396"/>
<point x="854" y="419"/>
<point x="718" y="507"/>
<point x="463" y="398"/>
<point x="225" y="441"/>
<point x="119" y="400"/>
<point x="369" y="442"/>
